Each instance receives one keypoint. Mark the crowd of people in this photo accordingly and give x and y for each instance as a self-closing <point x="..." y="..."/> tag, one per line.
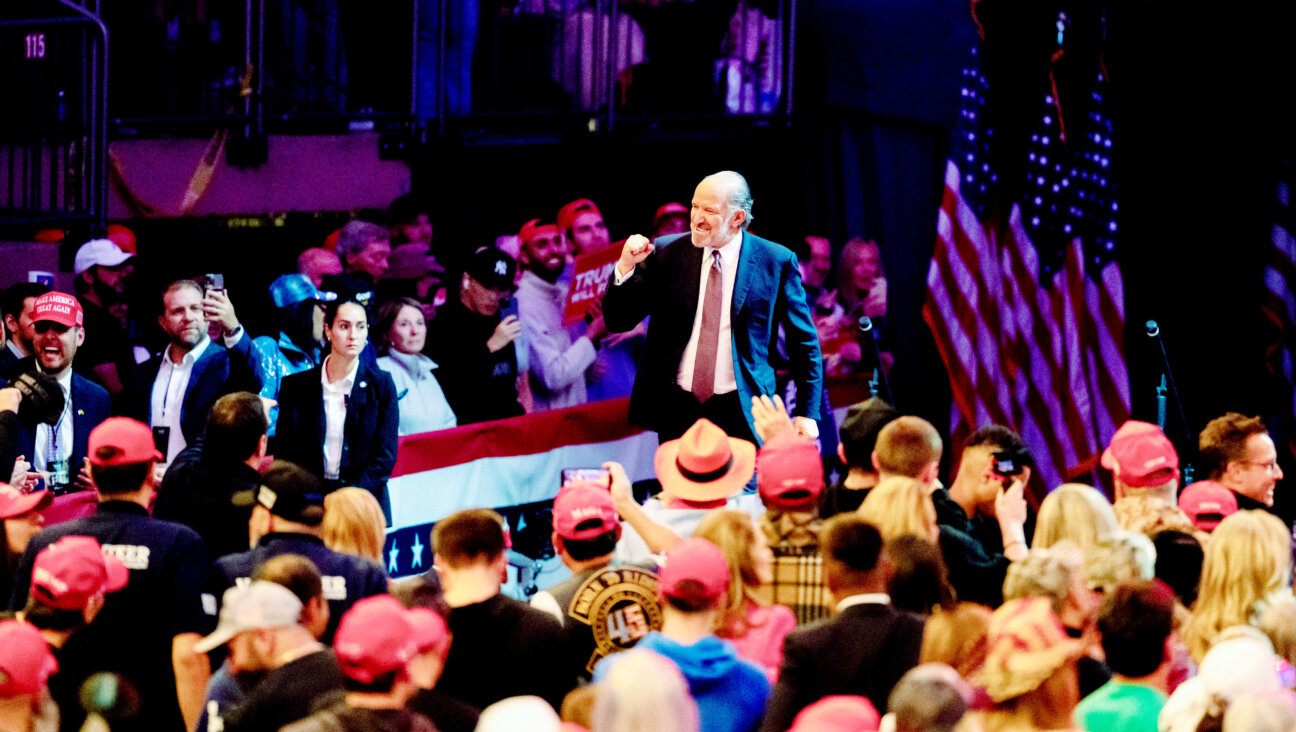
<point x="210" y="557"/>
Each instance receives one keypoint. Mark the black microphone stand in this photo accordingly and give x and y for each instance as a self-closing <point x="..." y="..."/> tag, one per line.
<point x="1168" y="384"/>
<point x="878" y="385"/>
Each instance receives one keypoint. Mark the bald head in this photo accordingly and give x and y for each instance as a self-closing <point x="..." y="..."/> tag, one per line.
<point x="732" y="187"/>
<point x="317" y="262"/>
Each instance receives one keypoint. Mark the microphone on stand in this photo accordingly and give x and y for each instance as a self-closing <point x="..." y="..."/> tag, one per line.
<point x="878" y="385"/>
<point x="1167" y="387"/>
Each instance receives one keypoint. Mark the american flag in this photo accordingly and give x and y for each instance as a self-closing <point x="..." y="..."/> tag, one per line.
<point x="1279" y="300"/>
<point x="1025" y="297"/>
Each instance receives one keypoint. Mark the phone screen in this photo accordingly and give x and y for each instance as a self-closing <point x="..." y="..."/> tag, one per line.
<point x="571" y="475"/>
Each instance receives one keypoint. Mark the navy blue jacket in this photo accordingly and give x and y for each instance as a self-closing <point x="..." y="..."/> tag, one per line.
<point x="90" y="406"/>
<point x="369" y="437"/>
<point x="347" y="578"/>
<point x="767" y="293"/>
<point x="163" y="598"/>
<point x="219" y="371"/>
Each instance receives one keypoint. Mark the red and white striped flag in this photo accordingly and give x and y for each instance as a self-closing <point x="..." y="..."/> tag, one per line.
<point x="1025" y="298"/>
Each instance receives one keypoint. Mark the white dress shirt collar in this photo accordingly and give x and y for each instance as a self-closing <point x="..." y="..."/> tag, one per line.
<point x="864" y="598"/>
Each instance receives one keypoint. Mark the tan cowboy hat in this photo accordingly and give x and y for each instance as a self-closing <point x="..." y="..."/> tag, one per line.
<point x="705" y="464"/>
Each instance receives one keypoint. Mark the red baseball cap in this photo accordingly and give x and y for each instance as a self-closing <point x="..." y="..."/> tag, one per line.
<point x="567" y="214"/>
<point x="26" y="662"/>
<point x="58" y="307"/>
<point x="837" y="713"/>
<point x="1207" y="503"/>
<point x="698" y="560"/>
<point x="375" y="637"/>
<point x="1141" y="455"/>
<point x="789" y="473"/>
<point x="67" y="573"/>
<point x="583" y="510"/>
<point x="534" y="228"/>
<point x="669" y="209"/>
<point x="121" y="441"/>
<point x="14" y="503"/>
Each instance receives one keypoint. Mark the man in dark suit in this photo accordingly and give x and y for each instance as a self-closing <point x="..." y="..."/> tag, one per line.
<point x="174" y="391"/>
<point x="717" y="297"/>
<point x="16" y="308"/>
<point x="862" y="650"/>
<point x="60" y="449"/>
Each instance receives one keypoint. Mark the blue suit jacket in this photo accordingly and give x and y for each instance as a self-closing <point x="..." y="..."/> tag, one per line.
<point x="369" y="436"/>
<point x="219" y="371"/>
<point x="90" y="406"/>
<point x="767" y="293"/>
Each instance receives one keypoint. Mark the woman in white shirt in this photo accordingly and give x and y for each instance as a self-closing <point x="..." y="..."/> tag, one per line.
<point x="401" y="335"/>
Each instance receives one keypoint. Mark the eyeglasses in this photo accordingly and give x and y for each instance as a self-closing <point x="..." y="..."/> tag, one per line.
<point x="1269" y="465"/>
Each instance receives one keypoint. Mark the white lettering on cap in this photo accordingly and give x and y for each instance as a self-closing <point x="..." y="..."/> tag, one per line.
<point x="44" y="576"/>
<point x="1154" y="461"/>
<point x="266" y="497"/>
<point x="586" y="512"/>
<point x="501" y="267"/>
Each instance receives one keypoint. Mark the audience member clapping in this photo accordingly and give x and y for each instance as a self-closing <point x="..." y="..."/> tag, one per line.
<point x="789" y="476"/>
<point x="1247" y="565"/>
<point x="752" y="624"/>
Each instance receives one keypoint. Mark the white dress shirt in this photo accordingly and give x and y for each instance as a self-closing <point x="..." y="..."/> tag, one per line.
<point x="45" y="448"/>
<point x="725" y="381"/>
<point x="168" y="395"/>
<point x="336" y="397"/>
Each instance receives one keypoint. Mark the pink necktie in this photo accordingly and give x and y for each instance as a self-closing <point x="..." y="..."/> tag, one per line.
<point x="704" y="364"/>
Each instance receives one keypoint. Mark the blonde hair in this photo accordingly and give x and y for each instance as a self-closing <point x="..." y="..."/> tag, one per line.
<point x="1077" y="512"/>
<point x="1126" y="556"/>
<point x="1046" y="573"/>
<point x="957" y="638"/>
<point x="735" y="534"/>
<point x="899" y="506"/>
<point x="643" y="692"/>
<point x="354" y="523"/>
<point x="1247" y="561"/>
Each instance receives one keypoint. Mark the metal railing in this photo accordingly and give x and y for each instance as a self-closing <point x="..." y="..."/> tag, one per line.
<point x="53" y="137"/>
<point x="303" y="65"/>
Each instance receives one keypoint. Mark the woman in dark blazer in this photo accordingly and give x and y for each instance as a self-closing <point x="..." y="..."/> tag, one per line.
<point x="339" y="419"/>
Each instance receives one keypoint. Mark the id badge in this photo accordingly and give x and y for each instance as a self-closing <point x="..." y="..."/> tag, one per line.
<point x="162" y="440"/>
<point x="58" y="472"/>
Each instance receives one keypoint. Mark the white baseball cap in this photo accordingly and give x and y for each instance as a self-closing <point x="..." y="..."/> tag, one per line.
<point x="98" y="252"/>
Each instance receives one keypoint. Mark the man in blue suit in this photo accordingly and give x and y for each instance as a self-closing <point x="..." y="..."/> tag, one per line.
<point x="60" y="449"/>
<point x="717" y="296"/>
<point x="174" y="391"/>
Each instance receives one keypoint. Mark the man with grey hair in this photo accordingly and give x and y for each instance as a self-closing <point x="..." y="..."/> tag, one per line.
<point x="715" y="308"/>
<point x="364" y="248"/>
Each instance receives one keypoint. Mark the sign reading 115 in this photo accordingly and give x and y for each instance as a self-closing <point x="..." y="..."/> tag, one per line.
<point x="35" y="45"/>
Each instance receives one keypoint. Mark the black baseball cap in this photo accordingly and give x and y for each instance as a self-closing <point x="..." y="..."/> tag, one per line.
<point x="492" y="268"/>
<point x="291" y="492"/>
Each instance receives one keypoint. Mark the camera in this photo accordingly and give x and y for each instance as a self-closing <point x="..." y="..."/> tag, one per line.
<point x="1006" y="465"/>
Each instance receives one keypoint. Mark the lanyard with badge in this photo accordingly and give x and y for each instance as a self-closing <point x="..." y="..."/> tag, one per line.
<point x="56" y="463"/>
